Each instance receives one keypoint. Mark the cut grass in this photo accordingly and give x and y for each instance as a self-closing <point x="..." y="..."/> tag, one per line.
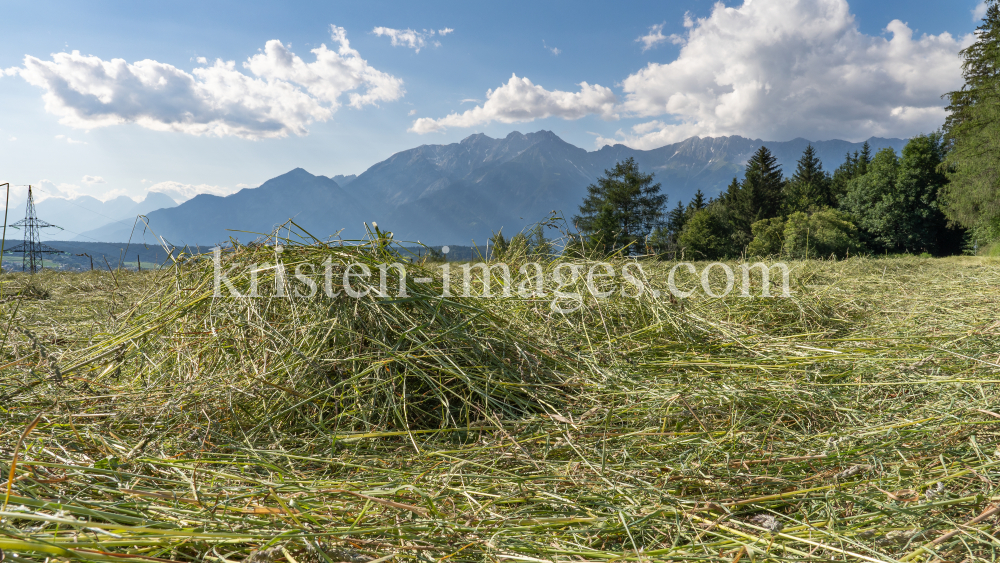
<point x="861" y="415"/>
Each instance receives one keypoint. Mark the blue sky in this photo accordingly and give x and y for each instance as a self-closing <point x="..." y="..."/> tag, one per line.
<point x="771" y="69"/>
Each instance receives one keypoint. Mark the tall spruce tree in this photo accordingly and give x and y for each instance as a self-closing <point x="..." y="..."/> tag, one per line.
<point x="676" y="219"/>
<point x="696" y="204"/>
<point x="757" y="197"/>
<point x="864" y="159"/>
<point x="622" y="208"/>
<point x="972" y="132"/>
<point x="732" y="192"/>
<point x="810" y="187"/>
<point x="853" y="167"/>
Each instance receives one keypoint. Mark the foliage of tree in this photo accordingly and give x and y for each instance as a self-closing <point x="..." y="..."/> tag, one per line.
<point x="661" y="241"/>
<point x="697" y="203"/>
<point x="707" y="235"/>
<point x="757" y="197"/>
<point x="880" y="202"/>
<point x="622" y="208"/>
<point x="810" y="188"/>
<point x="768" y="237"/>
<point x="896" y="201"/>
<point x="498" y="246"/>
<point x="972" y="132"/>
<point x="820" y="234"/>
<point x="825" y="233"/>
<point x="676" y="218"/>
<point x="869" y="197"/>
<point x="664" y="239"/>
<point x="853" y="167"/>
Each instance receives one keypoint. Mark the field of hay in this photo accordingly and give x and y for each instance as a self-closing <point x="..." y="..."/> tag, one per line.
<point x="141" y="419"/>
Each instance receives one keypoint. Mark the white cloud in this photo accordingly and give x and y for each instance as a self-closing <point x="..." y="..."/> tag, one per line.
<point x="91" y="180"/>
<point x="777" y="69"/>
<point x="979" y="12"/>
<point x="45" y="189"/>
<point x="12" y="138"/>
<point x="555" y="50"/>
<point x="413" y="39"/>
<point x="519" y="100"/>
<point x="70" y="140"/>
<point x="202" y="60"/>
<point x="655" y="36"/>
<point x="470" y="101"/>
<point x="330" y="76"/>
<point x="180" y="192"/>
<point x="112" y="194"/>
<point x="241" y="186"/>
<point x="412" y="112"/>
<point x="284" y="95"/>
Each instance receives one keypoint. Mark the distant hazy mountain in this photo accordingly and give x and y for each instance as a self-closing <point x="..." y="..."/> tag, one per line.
<point x="459" y="193"/>
<point x="342" y="180"/>
<point x="83" y="213"/>
<point x="315" y="203"/>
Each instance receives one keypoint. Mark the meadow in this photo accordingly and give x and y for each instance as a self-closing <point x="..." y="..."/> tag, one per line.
<point x="144" y="419"/>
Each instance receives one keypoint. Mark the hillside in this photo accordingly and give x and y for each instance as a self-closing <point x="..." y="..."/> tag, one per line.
<point x="462" y="192"/>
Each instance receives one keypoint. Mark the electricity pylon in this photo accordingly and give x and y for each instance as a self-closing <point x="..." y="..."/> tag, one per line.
<point x="32" y="249"/>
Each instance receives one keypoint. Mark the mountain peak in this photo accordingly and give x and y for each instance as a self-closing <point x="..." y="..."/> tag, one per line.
<point x="296" y="173"/>
<point x="544" y="134"/>
<point x="476" y="138"/>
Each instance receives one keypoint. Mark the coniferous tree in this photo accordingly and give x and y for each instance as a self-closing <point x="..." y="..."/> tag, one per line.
<point x="864" y="159"/>
<point x="972" y="132"/>
<point x="499" y="245"/>
<point x="732" y="192"/>
<point x="622" y="208"/>
<point x="843" y="175"/>
<point x="676" y="219"/>
<point x="853" y="167"/>
<point x="810" y="187"/>
<point x="696" y="204"/>
<point x="757" y="197"/>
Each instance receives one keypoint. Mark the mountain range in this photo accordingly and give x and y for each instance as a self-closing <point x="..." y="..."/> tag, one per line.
<point x="462" y="192"/>
<point x="76" y="215"/>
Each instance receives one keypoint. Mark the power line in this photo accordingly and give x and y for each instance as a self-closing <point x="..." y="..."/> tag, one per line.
<point x="46" y="248"/>
<point x="32" y="248"/>
<point x="71" y="202"/>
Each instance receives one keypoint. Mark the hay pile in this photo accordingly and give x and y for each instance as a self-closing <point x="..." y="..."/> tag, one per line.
<point x="857" y="420"/>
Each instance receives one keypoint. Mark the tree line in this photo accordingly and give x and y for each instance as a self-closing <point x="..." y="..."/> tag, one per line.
<point x="881" y="202"/>
<point x="940" y="196"/>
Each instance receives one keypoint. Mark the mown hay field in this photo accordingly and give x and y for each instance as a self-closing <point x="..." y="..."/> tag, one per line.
<point x="857" y="419"/>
